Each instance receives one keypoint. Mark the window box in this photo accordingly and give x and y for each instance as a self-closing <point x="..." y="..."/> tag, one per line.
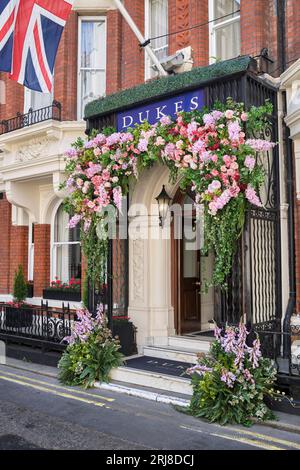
<point x="126" y="331"/>
<point x="62" y="294"/>
<point x="18" y="317"/>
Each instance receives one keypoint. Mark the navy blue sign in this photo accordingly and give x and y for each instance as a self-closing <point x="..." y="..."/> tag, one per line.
<point x="153" y="112"/>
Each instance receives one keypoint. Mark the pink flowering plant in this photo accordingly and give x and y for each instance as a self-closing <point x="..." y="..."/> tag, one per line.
<point x="231" y="383"/>
<point x="206" y="151"/>
<point x="92" y="352"/>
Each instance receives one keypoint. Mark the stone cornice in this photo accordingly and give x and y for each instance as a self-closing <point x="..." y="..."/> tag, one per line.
<point x="51" y="128"/>
<point x="290" y="75"/>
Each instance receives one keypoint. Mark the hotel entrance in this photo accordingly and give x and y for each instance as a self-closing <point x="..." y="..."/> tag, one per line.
<point x="186" y="267"/>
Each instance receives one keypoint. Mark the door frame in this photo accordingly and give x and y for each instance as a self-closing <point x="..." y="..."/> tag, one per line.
<point x="176" y="266"/>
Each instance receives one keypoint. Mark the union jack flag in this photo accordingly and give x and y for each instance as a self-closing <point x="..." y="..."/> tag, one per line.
<point x="30" y="31"/>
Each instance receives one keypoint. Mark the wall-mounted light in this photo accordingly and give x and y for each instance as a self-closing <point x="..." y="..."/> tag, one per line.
<point x="163" y="201"/>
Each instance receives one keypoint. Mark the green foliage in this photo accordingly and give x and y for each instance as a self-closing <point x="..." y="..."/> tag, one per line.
<point x="20" y="285"/>
<point x="238" y="401"/>
<point x="85" y="362"/>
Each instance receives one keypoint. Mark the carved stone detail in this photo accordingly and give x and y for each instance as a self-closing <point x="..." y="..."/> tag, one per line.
<point x="138" y="268"/>
<point x="35" y="148"/>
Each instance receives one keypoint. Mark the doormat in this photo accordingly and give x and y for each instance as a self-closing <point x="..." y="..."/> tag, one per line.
<point x="209" y="333"/>
<point x="159" y="366"/>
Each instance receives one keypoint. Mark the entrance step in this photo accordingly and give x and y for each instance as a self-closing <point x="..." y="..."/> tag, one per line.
<point x="149" y="371"/>
<point x="171" y="353"/>
<point x="194" y="344"/>
<point x="149" y="379"/>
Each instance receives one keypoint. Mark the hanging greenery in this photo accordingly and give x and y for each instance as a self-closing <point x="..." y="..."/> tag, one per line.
<point x="207" y="150"/>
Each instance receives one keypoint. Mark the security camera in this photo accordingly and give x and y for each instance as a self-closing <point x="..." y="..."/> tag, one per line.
<point x="171" y="62"/>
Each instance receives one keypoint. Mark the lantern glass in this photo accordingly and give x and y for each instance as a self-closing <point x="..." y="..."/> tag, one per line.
<point x="163" y="201"/>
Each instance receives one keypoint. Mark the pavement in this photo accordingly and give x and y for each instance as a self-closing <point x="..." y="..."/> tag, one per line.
<point x="36" y="412"/>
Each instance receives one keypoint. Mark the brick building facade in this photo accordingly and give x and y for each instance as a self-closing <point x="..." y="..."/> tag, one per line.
<point x="31" y="158"/>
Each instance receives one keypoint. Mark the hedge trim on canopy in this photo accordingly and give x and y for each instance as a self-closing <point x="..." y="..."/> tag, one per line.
<point x="165" y="86"/>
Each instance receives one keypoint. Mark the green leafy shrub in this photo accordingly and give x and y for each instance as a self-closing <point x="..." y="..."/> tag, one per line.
<point x="92" y="351"/>
<point x="231" y="382"/>
<point x="20" y="285"/>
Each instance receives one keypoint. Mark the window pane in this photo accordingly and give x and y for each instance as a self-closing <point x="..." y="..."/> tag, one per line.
<point x="228" y="41"/>
<point x="68" y="262"/>
<point x="225" y="7"/>
<point x="62" y="232"/>
<point x="93" y="44"/>
<point x="93" y="84"/>
<point x="159" y="26"/>
<point x="35" y="100"/>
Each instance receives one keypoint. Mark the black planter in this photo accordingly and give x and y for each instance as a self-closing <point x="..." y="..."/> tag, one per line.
<point x="126" y="331"/>
<point x="29" y="291"/>
<point x="62" y="294"/>
<point x="18" y="317"/>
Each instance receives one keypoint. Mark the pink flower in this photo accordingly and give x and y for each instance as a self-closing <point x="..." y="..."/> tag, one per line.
<point x="212" y="208"/>
<point x="74" y="221"/>
<point x="249" y="162"/>
<point x="215" y="185"/>
<point x="227" y="160"/>
<point x="165" y="121"/>
<point x="234" y="130"/>
<point x="105" y="175"/>
<point x="117" y="197"/>
<point x="159" y="141"/>
<point x="143" y="145"/>
<point x="252" y="196"/>
<point x="234" y="191"/>
<point x="97" y="151"/>
<point x="260" y="145"/>
<point x="244" y="117"/>
<point x="229" y="114"/>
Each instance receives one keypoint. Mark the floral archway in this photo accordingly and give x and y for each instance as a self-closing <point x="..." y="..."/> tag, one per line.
<point x="209" y="151"/>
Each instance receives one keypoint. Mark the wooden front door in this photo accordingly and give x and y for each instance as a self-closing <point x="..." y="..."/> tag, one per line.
<point x="186" y="276"/>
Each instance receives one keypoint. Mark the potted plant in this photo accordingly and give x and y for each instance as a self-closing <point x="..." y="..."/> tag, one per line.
<point x="125" y="331"/>
<point x="18" y="313"/>
<point x="59" y="290"/>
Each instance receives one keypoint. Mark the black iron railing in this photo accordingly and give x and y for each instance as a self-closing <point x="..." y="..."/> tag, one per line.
<point x="283" y="347"/>
<point x="32" y="117"/>
<point x="40" y="324"/>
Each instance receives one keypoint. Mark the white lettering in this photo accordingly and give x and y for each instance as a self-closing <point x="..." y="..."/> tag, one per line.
<point x="195" y="103"/>
<point x="160" y="113"/>
<point x="146" y="118"/>
<point x="178" y="106"/>
<point x="130" y="118"/>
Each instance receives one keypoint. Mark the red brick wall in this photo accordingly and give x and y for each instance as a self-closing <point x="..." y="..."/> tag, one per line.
<point x="65" y="79"/>
<point x="14" y="98"/>
<point x="254" y="16"/>
<point x="5" y="217"/>
<point x="114" y="52"/>
<point x="41" y="276"/>
<point x="293" y="30"/>
<point x="132" y="54"/>
<point x="18" y="252"/>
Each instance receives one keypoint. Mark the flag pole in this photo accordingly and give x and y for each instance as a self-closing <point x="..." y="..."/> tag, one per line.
<point x="140" y="37"/>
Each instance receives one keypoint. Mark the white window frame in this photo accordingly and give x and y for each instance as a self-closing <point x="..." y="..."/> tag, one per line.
<point x="55" y="245"/>
<point x="30" y="251"/>
<point x="148" y="61"/>
<point x="27" y="99"/>
<point x="80" y="20"/>
<point x="214" y="27"/>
